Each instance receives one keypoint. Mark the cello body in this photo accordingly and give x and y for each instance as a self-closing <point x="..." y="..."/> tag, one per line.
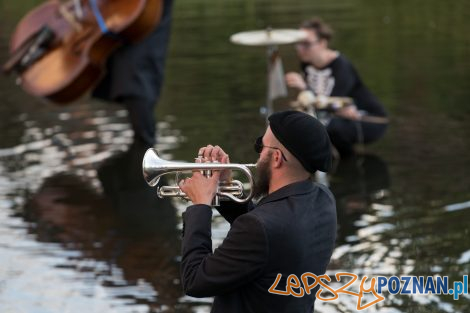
<point x="73" y="60"/>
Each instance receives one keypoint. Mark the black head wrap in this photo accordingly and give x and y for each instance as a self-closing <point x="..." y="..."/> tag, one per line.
<point x="305" y="137"/>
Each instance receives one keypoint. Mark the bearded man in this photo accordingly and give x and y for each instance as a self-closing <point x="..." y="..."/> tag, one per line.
<point x="290" y="230"/>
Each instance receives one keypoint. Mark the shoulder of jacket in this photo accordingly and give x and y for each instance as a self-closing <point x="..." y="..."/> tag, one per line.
<point x="326" y="190"/>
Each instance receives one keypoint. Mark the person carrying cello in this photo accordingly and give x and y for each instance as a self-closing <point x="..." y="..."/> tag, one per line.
<point x="135" y="74"/>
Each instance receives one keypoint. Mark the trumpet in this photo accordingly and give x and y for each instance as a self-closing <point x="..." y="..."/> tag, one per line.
<point x="154" y="168"/>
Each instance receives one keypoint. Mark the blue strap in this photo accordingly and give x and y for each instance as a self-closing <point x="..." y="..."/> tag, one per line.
<point x="98" y="16"/>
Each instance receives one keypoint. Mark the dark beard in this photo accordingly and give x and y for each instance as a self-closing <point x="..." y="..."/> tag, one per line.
<point x="263" y="173"/>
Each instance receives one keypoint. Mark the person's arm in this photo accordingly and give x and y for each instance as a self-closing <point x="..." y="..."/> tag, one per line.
<point x="349" y="83"/>
<point x="239" y="260"/>
<point x="366" y="100"/>
<point x="295" y="80"/>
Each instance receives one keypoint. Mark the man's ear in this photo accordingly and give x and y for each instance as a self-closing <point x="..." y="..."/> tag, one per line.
<point x="277" y="158"/>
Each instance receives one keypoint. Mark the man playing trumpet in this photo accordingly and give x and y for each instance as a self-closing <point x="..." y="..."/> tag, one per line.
<point x="291" y="230"/>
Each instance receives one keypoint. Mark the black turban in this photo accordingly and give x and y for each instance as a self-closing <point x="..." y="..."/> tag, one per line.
<point x="305" y="137"/>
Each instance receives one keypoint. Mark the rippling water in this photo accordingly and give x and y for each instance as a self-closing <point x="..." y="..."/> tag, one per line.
<point x="81" y="232"/>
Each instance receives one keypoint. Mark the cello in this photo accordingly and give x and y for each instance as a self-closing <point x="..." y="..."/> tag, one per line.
<point x="59" y="49"/>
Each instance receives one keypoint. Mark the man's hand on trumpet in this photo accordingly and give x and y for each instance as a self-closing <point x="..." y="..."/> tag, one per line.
<point x="211" y="153"/>
<point x="201" y="189"/>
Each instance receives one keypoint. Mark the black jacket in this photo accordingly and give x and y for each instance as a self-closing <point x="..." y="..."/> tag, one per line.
<point x="291" y="231"/>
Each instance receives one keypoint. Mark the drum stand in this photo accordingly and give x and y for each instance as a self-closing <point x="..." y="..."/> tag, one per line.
<point x="271" y="39"/>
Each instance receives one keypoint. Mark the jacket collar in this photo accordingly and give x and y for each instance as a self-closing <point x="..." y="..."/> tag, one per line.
<point x="297" y="188"/>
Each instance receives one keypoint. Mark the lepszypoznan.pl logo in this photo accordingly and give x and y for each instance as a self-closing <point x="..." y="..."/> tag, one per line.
<point x="404" y="285"/>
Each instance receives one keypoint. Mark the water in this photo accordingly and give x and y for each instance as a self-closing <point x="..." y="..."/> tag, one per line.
<point x="81" y="232"/>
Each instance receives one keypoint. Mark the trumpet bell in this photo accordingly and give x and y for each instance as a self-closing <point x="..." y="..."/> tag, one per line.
<point x="153" y="167"/>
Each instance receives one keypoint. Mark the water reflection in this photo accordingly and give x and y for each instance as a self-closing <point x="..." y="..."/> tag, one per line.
<point x="127" y="228"/>
<point x="86" y="230"/>
<point x="379" y="235"/>
<point x="357" y="182"/>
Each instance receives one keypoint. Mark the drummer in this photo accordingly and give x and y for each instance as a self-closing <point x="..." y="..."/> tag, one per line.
<point x="328" y="73"/>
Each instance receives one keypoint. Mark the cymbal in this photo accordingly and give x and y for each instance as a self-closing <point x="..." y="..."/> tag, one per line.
<point x="268" y="37"/>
